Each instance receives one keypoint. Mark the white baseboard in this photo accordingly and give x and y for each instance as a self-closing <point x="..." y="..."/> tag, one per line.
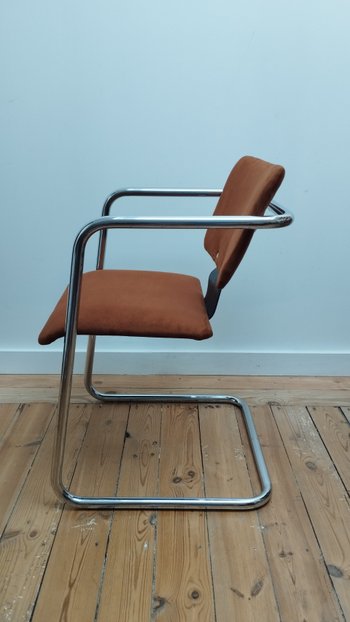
<point x="195" y="363"/>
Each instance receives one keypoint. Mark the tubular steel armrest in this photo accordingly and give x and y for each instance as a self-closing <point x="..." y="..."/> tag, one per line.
<point x="158" y="192"/>
<point x="283" y="219"/>
<point x="146" y="192"/>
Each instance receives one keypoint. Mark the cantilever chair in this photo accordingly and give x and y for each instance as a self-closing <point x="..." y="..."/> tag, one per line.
<point x="158" y="304"/>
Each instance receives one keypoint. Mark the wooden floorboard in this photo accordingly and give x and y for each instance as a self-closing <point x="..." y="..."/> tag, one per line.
<point x="288" y="561"/>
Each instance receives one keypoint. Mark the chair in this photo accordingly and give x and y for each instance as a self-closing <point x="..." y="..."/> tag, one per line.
<point x="158" y="304"/>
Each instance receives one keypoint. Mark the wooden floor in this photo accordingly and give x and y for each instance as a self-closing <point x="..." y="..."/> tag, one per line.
<point x="289" y="561"/>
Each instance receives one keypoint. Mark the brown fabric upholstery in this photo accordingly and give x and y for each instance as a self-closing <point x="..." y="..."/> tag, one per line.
<point x="249" y="189"/>
<point x="135" y="303"/>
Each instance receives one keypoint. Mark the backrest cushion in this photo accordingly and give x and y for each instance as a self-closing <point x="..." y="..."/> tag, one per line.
<point x="248" y="191"/>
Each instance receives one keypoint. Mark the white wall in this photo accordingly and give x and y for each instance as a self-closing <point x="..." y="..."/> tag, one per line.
<point x="101" y="95"/>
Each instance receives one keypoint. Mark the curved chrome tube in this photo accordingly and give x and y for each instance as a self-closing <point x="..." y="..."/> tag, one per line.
<point x="165" y="192"/>
<point x="146" y="192"/>
<point x="207" y="503"/>
<point x="158" y="192"/>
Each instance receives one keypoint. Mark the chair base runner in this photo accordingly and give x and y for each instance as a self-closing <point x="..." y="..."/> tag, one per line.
<point x="183" y="503"/>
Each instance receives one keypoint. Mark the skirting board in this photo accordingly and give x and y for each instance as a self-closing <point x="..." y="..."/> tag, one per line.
<point x="188" y="363"/>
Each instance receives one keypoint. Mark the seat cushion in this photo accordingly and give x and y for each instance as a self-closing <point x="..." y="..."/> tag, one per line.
<point x="135" y="303"/>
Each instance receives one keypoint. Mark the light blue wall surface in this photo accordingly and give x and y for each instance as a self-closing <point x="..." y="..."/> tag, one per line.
<point x="95" y="96"/>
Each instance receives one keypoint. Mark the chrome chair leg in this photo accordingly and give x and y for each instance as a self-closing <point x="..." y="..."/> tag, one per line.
<point x="207" y="503"/>
<point x="89" y="363"/>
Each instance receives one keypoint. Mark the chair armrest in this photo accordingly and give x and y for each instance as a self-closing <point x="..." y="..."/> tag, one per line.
<point x="281" y="219"/>
<point x="146" y="192"/>
<point x="158" y="192"/>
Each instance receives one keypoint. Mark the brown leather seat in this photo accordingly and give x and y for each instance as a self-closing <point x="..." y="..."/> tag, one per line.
<point x="135" y="303"/>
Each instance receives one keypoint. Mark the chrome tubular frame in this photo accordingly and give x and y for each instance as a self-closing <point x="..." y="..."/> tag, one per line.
<point x="101" y="225"/>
